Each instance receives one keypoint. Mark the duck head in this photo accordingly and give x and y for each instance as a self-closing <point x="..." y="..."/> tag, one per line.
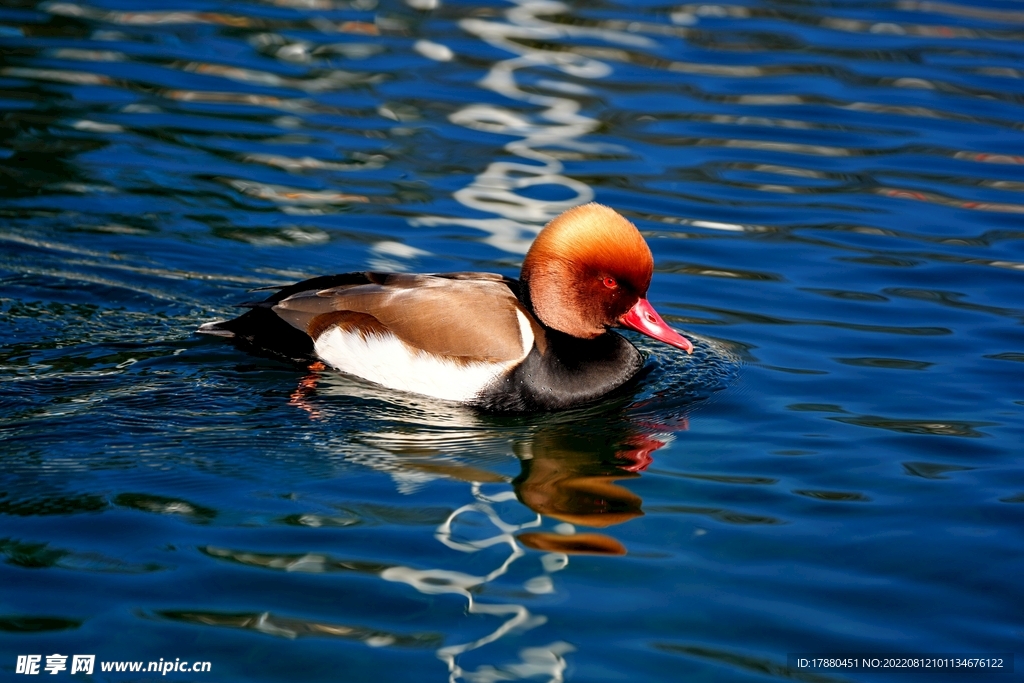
<point x="588" y="270"/>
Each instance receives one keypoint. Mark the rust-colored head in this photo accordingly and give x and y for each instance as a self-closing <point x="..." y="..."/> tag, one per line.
<point x="588" y="270"/>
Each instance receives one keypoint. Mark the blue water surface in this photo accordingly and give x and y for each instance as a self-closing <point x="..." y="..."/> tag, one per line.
<point x="833" y="195"/>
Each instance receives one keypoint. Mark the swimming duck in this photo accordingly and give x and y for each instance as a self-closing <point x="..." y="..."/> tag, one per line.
<point x="538" y="343"/>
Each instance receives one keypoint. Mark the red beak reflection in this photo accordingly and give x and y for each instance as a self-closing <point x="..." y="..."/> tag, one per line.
<point x="645" y="320"/>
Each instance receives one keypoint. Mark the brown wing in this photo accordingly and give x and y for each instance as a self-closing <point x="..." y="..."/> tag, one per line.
<point x="467" y="315"/>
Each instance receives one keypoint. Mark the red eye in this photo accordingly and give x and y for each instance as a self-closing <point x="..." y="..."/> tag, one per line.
<point x="610" y="283"/>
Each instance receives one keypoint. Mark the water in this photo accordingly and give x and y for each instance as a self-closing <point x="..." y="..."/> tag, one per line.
<point x="832" y="192"/>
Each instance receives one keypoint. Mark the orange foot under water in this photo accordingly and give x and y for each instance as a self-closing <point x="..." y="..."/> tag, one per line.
<point x="306" y="388"/>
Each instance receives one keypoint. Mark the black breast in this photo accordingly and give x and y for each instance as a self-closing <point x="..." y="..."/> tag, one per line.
<point x="569" y="373"/>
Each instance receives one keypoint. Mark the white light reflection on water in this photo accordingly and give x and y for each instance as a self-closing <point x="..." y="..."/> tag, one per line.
<point x="538" y="661"/>
<point x="500" y="188"/>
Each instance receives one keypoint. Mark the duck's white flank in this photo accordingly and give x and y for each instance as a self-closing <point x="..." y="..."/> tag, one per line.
<point x="392" y="363"/>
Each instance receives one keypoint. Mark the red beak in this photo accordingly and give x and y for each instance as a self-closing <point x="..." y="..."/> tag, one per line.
<point x="645" y="320"/>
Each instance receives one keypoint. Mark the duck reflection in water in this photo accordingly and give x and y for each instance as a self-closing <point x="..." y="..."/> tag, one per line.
<point x="571" y="464"/>
<point x="571" y="474"/>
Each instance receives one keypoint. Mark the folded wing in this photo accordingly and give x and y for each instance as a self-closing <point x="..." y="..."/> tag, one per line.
<point x="472" y="317"/>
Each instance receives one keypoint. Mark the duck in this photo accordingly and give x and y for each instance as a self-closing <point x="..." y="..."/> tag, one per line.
<point x="544" y="342"/>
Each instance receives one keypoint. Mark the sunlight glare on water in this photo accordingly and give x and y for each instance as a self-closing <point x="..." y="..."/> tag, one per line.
<point x="832" y="192"/>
